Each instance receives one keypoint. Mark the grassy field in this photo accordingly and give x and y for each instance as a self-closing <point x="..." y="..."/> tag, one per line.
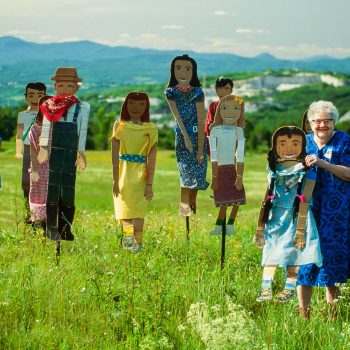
<point x="173" y="295"/>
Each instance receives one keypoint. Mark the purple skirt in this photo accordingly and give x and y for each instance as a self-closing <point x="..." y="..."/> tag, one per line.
<point x="226" y="193"/>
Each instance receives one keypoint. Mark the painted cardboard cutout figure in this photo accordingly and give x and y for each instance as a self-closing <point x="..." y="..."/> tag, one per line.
<point x="227" y="157"/>
<point x="286" y="229"/>
<point x="134" y="151"/>
<point x="67" y="118"/>
<point x="33" y="93"/>
<point x="186" y="101"/>
<point x="223" y="87"/>
<point x="39" y="173"/>
<point x="305" y="124"/>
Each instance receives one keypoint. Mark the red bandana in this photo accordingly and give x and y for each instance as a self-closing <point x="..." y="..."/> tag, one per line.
<point x="56" y="106"/>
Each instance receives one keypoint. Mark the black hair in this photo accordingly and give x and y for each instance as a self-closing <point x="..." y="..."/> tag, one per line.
<point x="272" y="158"/>
<point x="222" y="81"/>
<point x="35" y="86"/>
<point x="194" y="81"/>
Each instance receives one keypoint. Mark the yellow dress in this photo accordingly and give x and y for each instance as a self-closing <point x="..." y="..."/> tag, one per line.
<point x="136" y="141"/>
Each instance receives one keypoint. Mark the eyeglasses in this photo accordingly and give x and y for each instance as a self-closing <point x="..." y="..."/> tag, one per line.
<point x="318" y="122"/>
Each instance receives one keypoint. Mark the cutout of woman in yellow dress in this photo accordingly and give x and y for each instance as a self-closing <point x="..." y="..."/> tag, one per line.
<point x="134" y="150"/>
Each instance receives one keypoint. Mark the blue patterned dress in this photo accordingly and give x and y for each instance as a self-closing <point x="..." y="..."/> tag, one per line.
<point x="192" y="173"/>
<point x="331" y="209"/>
<point x="279" y="233"/>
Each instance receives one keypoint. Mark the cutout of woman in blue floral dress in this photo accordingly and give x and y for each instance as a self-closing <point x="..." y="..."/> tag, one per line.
<point x="186" y="101"/>
<point x="286" y="227"/>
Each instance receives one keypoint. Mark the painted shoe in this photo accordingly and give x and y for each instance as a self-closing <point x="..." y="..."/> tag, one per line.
<point x="230" y="230"/>
<point x="265" y="294"/>
<point x="137" y="248"/>
<point x="216" y="231"/>
<point x="128" y="242"/>
<point x="285" y="295"/>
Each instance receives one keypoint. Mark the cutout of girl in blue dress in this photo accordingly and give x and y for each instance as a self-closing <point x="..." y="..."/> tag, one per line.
<point x="186" y="101"/>
<point x="286" y="229"/>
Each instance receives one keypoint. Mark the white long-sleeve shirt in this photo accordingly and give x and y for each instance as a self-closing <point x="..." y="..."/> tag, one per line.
<point x="25" y="118"/>
<point x="227" y="144"/>
<point x="82" y="125"/>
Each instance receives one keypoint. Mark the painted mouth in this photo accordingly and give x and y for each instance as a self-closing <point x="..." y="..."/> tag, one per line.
<point x="289" y="155"/>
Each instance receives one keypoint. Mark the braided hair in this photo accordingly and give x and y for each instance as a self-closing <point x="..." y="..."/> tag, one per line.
<point x="272" y="159"/>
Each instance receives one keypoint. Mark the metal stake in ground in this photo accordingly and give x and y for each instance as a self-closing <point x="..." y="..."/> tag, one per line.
<point x="58" y="252"/>
<point x="187" y="227"/>
<point x="223" y="242"/>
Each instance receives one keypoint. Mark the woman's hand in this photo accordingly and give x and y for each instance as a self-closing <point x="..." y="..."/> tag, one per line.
<point x="259" y="239"/>
<point x="299" y="239"/>
<point x="42" y="155"/>
<point x="239" y="183"/>
<point x="115" y="188"/>
<point x="200" y="157"/>
<point x="188" y="143"/>
<point x="35" y="176"/>
<point x="81" y="161"/>
<point x="148" y="192"/>
<point x="311" y="160"/>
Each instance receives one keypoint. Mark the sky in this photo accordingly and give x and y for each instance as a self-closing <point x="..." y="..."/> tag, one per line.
<point x="289" y="29"/>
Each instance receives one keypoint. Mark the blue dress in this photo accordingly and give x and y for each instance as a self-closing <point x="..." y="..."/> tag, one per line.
<point x="331" y="198"/>
<point x="192" y="174"/>
<point x="280" y="228"/>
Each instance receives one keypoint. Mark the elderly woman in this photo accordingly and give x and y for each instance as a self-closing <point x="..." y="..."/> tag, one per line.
<point x="329" y="151"/>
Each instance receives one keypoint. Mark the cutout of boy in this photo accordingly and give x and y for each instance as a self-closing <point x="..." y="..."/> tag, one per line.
<point x="33" y="93"/>
<point x="223" y="87"/>
<point x="67" y="119"/>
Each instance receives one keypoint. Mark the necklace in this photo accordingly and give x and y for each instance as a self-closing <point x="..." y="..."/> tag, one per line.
<point x="184" y="88"/>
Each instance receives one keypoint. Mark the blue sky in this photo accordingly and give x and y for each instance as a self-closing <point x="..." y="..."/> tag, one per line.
<point x="284" y="28"/>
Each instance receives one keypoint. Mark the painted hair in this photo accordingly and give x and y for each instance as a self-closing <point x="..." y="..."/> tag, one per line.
<point x="194" y="80"/>
<point x="218" y="119"/>
<point x="39" y="116"/>
<point x="35" y="86"/>
<point x="272" y="158"/>
<point x="138" y="96"/>
<point x="222" y="81"/>
<point x="323" y="107"/>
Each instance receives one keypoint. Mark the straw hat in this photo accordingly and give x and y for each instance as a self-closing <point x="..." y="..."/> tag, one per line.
<point x="66" y="74"/>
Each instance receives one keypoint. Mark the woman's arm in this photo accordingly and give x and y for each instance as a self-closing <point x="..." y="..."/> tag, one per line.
<point x="299" y="239"/>
<point x="150" y="169"/>
<point x="341" y="171"/>
<point x="258" y="238"/>
<point x="115" y="165"/>
<point x="200" y="127"/>
<point x="175" y="112"/>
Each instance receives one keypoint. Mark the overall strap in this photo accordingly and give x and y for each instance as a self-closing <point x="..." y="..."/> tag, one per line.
<point x="76" y="112"/>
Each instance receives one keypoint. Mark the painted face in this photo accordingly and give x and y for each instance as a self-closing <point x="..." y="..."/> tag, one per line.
<point x="33" y="96"/>
<point x="223" y="91"/>
<point x="307" y="127"/>
<point x="136" y="108"/>
<point x="230" y="111"/>
<point x="289" y="148"/>
<point x="66" y="88"/>
<point x="183" y="71"/>
<point x="322" y="125"/>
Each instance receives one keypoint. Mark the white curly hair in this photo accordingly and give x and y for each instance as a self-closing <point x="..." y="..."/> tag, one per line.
<point x="323" y="107"/>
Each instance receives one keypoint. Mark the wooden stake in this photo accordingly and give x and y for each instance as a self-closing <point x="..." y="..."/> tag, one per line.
<point x="187" y="227"/>
<point x="58" y="252"/>
<point x="223" y="243"/>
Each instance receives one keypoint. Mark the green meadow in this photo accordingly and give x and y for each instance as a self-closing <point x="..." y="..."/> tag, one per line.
<point x="173" y="295"/>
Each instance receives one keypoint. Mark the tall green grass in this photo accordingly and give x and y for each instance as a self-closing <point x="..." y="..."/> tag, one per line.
<point x="173" y="295"/>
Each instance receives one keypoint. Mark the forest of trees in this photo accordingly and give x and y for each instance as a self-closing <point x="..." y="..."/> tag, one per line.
<point x="285" y="108"/>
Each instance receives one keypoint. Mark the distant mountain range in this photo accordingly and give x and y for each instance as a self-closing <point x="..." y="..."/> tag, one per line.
<point x="98" y="65"/>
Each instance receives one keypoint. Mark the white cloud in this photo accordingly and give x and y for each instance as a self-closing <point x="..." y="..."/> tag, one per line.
<point x="173" y="26"/>
<point x="124" y="35"/>
<point x="220" y="13"/>
<point x="71" y="39"/>
<point x="252" y="31"/>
